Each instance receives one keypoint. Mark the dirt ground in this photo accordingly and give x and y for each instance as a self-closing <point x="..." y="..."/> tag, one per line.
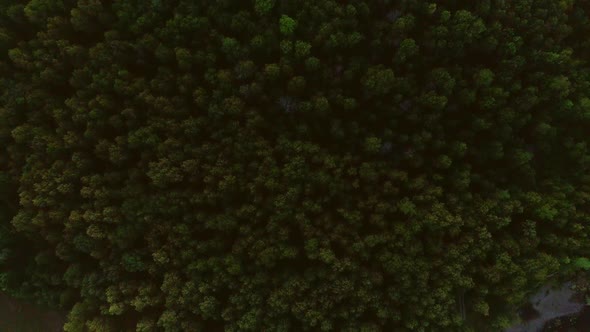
<point x="17" y="316"/>
<point x="548" y="304"/>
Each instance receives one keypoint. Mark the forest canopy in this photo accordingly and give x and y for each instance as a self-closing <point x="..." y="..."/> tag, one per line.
<point x="283" y="165"/>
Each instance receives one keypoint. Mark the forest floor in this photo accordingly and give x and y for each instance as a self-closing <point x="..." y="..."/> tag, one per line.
<point x="18" y="316"/>
<point x="574" y="323"/>
<point x="564" y="307"/>
<point x="547" y="304"/>
<point x="580" y="321"/>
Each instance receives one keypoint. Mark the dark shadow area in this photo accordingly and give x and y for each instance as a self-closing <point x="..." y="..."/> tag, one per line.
<point x="528" y="312"/>
<point x="24" y="317"/>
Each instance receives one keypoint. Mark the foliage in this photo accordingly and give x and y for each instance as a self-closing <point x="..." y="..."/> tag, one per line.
<point x="582" y="263"/>
<point x="287" y="25"/>
<point x="291" y="165"/>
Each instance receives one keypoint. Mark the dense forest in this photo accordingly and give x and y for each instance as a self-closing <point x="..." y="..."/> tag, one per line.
<point x="292" y="165"/>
